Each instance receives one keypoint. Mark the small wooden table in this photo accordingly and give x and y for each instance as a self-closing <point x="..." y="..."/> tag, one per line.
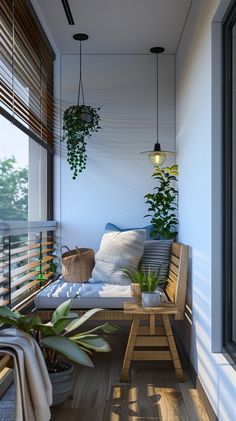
<point x="143" y="337"/>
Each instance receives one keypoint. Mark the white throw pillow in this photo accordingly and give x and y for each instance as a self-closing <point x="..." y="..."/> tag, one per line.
<point x="118" y="251"/>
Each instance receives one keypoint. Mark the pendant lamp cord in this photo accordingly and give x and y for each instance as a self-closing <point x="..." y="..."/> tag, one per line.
<point x="81" y="88"/>
<point x="157" y="96"/>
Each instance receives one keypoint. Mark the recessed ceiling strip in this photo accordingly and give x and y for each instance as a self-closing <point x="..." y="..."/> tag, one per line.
<point x="68" y="13"/>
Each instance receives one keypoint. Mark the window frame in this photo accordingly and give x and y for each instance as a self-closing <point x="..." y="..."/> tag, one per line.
<point x="229" y="346"/>
<point x="16" y="120"/>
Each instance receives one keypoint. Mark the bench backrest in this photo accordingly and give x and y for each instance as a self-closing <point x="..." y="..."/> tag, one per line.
<point x="177" y="277"/>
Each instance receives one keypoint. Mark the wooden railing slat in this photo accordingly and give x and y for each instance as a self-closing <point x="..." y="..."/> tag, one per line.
<point x="25" y="288"/>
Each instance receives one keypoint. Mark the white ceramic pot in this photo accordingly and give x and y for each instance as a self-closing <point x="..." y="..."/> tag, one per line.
<point x="151" y="299"/>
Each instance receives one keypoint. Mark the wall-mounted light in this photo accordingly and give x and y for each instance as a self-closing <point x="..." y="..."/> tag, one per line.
<point x="157" y="157"/>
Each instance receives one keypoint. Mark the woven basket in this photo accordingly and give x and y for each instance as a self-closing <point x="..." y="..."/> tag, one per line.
<point x="77" y="264"/>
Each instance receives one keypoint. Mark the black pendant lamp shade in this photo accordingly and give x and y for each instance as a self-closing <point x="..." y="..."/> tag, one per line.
<point x="157" y="157"/>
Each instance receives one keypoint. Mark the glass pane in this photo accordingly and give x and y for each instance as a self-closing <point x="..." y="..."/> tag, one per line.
<point x="13" y="173"/>
<point x="234" y="187"/>
<point x="37" y="183"/>
<point x="23" y="176"/>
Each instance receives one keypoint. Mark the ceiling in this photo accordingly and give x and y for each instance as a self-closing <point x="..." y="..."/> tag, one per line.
<point x="116" y="26"/>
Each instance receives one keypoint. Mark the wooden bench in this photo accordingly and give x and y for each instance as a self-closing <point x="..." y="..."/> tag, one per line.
<point x="152" y="336"/>
<point x="175" y="290"/>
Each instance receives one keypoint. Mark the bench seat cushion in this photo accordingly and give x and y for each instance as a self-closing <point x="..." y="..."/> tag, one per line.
<point x="86" y="295"/>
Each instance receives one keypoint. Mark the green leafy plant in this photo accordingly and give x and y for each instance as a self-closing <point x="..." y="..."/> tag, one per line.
<point x="58" y="334"/>
<point x="79" y="123"/>
<point x="148" y="280"/>
<point x="163" y="203"/>
<point x="13" y="190"/>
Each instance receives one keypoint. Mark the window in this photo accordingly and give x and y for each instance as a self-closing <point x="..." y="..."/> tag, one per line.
<point x="26" y="115"/>
<point x="26" y="153"/>
<point x="23" y="176"/>
<point x="229" y="182"/>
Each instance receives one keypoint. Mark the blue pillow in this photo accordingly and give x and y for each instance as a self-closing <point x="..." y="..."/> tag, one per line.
<point x="111" y="227"/>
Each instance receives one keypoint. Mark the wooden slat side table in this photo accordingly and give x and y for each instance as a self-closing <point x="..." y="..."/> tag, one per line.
<point x="143" y="337"/>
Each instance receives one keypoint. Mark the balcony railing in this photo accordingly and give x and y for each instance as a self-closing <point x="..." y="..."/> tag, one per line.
<point x="27" y="260"/>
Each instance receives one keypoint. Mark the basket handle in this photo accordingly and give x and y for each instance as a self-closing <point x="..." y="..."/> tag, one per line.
<point x="62" y="247"/>
<point x="78" y="251"/>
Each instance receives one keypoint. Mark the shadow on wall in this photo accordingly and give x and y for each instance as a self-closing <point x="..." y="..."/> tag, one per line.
<point x="185" y="328"/>
<point x="195" y="334"/>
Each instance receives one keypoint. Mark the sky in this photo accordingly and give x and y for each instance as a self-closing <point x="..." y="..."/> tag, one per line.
<point x="13" y="142"/>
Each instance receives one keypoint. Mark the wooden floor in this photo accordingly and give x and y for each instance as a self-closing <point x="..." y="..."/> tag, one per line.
<point x="152" y="393"/>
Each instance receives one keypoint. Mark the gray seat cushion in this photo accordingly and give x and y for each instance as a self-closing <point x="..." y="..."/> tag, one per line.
<point x="84" y="295"/>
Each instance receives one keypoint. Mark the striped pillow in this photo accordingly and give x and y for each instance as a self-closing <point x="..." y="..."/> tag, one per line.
<point x="156" y="257"/>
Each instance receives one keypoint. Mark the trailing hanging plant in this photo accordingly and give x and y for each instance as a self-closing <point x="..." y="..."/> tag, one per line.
<point x="163" y="203"/>
<point x="79" y="122"/>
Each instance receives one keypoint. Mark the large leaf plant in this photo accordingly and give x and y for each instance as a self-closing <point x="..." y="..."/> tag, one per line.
<point x="162" y="204"/>
<point x="79" y="123"/>
<point x="59" y="336"/>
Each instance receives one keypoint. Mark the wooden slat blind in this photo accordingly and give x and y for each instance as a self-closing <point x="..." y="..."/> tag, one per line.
<point x="26" y="68"/>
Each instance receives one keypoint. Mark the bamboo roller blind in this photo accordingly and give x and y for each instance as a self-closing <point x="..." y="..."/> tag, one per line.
<point x="26" y="72"/>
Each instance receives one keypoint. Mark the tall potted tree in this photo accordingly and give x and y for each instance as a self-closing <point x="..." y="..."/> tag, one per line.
<point x="162" y="204"/>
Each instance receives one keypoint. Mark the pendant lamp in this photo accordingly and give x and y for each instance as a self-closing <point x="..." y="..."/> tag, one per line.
<point x="157" y="157"/>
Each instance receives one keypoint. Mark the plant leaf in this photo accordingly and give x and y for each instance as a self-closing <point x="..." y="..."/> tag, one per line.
<point x="45" y="329"/>
<point x="68" y="348"/>
<point x="60" y="324"/>
<point x="7" y="312"/>
<point x="62" y="310"/>
<point x="29" y="322"/>
<point x="9" y="321"/>
<point x="76" y="323"/>
<point x="97" y="344"/>
<point x="107" y="328"/>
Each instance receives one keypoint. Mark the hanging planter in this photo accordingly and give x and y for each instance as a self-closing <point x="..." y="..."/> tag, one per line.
<point x="79" y="123"/>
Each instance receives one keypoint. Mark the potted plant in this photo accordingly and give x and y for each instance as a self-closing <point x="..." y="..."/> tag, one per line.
<point x="79" y="123"/>
<point x="59" y="336"/>
<point x="144" y="285"/>
<point x="163" y="203"/>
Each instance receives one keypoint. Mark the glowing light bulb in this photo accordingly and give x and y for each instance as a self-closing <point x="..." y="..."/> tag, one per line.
<point x="157" y="158"/>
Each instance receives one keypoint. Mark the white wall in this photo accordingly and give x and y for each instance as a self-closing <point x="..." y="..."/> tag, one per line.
<point x="194" y="156"/>
<point x="112" y="187"/>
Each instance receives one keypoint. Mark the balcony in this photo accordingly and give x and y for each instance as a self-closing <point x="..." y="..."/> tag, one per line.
<point x="187" y="95"/>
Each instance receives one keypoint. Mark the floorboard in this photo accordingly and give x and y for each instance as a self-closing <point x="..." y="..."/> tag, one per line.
<point x="151" y="394"/>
